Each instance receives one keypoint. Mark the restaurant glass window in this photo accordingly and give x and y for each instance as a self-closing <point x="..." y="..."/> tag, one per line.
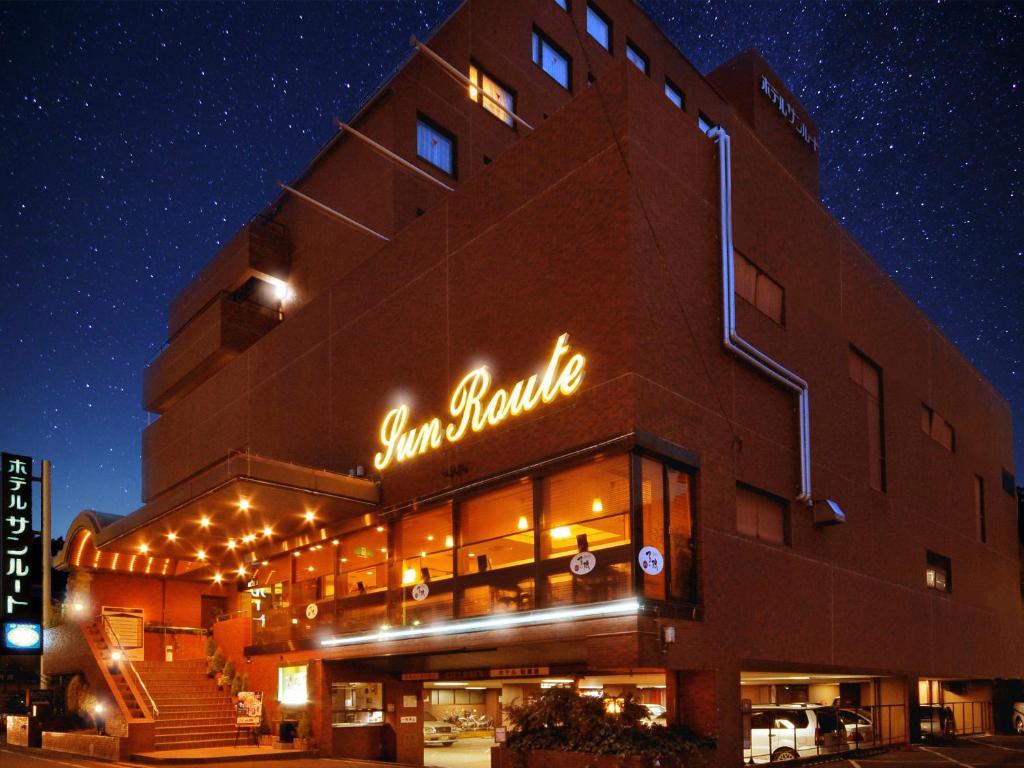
<point x="362" y="562"/>
<point x="357" y="703"/>
<point x="586" y="508"/>
<point x="682" y="545"/>
<point x="496" y="529"/>
<point x="423" y="556"/>
<point x="652" y="503"/>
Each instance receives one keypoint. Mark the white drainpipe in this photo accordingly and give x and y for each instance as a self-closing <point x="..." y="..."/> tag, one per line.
<point x="736" y="343"/>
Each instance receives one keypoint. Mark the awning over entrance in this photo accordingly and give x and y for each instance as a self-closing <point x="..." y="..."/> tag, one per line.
<point x="241" y="510"/>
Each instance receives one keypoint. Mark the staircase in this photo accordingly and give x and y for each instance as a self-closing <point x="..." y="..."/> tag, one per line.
<point x="193" y="713"/>
<point x="125" y="691"/>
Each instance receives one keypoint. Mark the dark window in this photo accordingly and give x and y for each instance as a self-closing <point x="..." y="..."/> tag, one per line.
<point x="435" y="145"/>
<point x="667" y="510"/>
<point x="675" y="94"/>
<point x="940" y="430"/>
<point x="599" y="26"/>
<point x="552" y="59"/>
<point x="638" y="57"/>
<point x="760" y="516"/>
<point x="754" y="285"/>
<point x="704" y="123"/>
<point x="939" y="572"/>
<point x="866" y="374"/>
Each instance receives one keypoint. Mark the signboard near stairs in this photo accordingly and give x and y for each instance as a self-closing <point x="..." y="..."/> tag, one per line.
<point x="127" y="624"/>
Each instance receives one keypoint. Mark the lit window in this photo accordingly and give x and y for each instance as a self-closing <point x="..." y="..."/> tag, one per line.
<point x="599" y="27"/>
<point x="668" y="526"/>
<point x="865" y="373"/>
<point x="940" y="430"/>
<point x="362" y="562"/>
<point x="939" y="573"/>
<point x="754" y="285"/>
<point x="638" y="57"/>
<point x="496" y="529"/>
<point x="483" y="87"/>
<point x="760" y="516"/>
<point x="704" y="123"/>
<point x="586" y="508"/>
<point x="423" y="546"/>
<point x="675" y="95"/>
<point x="291" y="685"/>
<point x="551" y="59"/>
<point x="435" y="146"/>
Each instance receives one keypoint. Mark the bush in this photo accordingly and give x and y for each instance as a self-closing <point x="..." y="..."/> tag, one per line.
<point x="211" y="647"/>
<point x="303" y="729"/>
<point x="245" y="683"/>
<point x="560" y="719"/>
<point x="229" y="670"/>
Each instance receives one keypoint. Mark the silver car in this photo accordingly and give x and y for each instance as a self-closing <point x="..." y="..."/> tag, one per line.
<point x="860" y="731"/>
<point x="790" y="731"/>
<point x="436" y="732"/>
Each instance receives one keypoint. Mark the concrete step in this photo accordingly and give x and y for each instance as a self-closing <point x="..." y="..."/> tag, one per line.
<point x="188" y="730"/>
<point x="219" y="741"/>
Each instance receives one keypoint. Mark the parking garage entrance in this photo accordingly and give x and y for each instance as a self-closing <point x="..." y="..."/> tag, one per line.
<point x="464" y="712"/>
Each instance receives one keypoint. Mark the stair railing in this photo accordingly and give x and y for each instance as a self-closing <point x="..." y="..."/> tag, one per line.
<point x="134" y="679"/>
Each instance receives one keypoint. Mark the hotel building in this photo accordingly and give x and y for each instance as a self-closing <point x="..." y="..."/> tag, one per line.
<point x="552" y="369"/>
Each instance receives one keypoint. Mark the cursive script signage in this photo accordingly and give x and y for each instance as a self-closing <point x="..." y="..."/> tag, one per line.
<point x="788" y="111"/>
<point x="474" y="407"/>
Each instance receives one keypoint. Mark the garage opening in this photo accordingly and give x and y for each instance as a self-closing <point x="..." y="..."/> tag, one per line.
<point x="791" y="715"/>
<point x="462" y="718"/>
<point x="955" y="707"/>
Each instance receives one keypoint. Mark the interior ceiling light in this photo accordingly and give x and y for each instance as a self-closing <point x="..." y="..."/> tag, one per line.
<point x="244" y="505"/>
<point x="201" y="554"/>
<point x="204" y="522"/>
<point x="241" y="570"/>
<point x="217" y="577"/>
<point x="598" y="506"/>
<point x="310" y="516"/>
<point x="380" y="529"/>
<point x="296" y="554"/>
<point x="267" y="530"/>
<point x="143" y="548"/>
<point x="523" y="523"/>
<point x="172" y="536"/>
<point x="231" y="543"/>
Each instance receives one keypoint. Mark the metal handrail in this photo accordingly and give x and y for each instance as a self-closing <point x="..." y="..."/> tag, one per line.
<point x="109" y="628"/>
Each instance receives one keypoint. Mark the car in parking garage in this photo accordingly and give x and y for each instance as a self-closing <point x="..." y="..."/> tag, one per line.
<point x="859" y="728"/>
<point x="937" y="721"/>
<point x="1018" y="718"/>
<point x="436" y="732"/>
<point x="790" y="731"/>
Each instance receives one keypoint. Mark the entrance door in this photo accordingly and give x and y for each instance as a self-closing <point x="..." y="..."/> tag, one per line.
<point x="212" y="606"/>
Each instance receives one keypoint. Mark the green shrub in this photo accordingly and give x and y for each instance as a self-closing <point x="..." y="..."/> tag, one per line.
<point x="304" y="728"/>
<point x="216" y="663"/>
<point x="229" y="670"/>
<point x="236" y="684"/>
<point x="245" y="683"/>
<point x="211" y="646"/>
<point x="560" y="719"/>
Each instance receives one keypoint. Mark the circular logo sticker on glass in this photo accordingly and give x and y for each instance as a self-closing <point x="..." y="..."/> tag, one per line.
<point x="312" y="610"/>
<point x="651" y="561"/>
<point x="582" y="563"/>
<point x="420" y="592"/>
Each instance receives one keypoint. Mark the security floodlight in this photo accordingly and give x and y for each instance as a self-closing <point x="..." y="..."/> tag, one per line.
<point x="828" y="512"/>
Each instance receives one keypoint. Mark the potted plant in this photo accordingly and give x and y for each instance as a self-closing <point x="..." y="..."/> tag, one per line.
<point x="304" y="732"/>
<point x="216" y="663"/>
<point x="236" y="686"/>
<point x="226" y="675"/>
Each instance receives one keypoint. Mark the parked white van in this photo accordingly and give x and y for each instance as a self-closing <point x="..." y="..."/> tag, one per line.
<point x="788" y="731"/>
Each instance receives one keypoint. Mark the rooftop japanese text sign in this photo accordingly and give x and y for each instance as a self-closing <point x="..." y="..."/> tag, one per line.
<point x="20" y="594"/>
<point x="474" y="407"/>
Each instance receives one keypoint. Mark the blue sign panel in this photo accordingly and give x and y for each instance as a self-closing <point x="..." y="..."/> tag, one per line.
<point x="20" y="568"/>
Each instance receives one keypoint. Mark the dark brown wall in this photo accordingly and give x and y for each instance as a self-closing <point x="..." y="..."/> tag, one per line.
<point x="604" y="223"/>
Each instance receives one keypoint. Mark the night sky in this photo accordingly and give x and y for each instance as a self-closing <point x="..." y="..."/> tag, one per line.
<point x="137" y="138"/>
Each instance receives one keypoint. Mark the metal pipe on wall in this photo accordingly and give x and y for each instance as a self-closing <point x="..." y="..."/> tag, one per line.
<point x="731" y="338"/>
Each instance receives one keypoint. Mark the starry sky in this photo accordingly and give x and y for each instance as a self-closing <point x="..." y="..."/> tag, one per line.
<point x="137" y="138"/>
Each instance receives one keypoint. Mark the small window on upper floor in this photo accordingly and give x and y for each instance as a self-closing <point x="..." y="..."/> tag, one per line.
<point x="638" y="57"/>
<point x="599" y="26"/>
<point x="867" y="374"/>
<point x="552" y="59"/>
<point x="674" y="94"/>
<point x="435" y="145"/>
<point x="496" y="99"/>
<point x="755" y="286"/>
<point x="563" y="4"/>
<point x="704" y="123"/>
<point x="940" y="430"/>
<point x="760" y="516"/>
<point x="938" y="572"/>
<point x="979" y="508"/>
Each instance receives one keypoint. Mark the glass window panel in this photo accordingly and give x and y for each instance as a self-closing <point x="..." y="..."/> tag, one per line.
<point x="592" y="500"/>
<point x="745" y="276"/>
<point x="760" y="516"/>
<point x="423" y="546"/>
<point x="682" y="557"/>
<point x="598" y="27"/>
<point x="502" y="597"/>
<point x="653" y="506"/>
<point x="675" y="95"/>
<point x="550" y="59"/>
<point x="484" y="87"/>
<point x="434" y="147"/>
<point x="636" y="56"/>
<point x="291" y="685"/>
<point x="362" y="562"/>
<point x="497" y="529"/>
<point x="769" y="297"/>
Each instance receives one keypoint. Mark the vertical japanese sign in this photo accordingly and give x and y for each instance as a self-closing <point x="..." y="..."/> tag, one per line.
<point x="20" y="593"/>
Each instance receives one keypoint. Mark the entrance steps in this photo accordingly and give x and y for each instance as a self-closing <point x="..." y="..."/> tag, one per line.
<point x="193" y="712"/>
